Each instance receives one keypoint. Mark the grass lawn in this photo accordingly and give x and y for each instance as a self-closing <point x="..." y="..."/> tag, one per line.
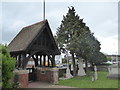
<point x="85" y="82"/>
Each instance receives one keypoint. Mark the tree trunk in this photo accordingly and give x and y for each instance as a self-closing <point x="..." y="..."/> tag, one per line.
<point x="74" y="66"/>
<point x="86" y="66"/>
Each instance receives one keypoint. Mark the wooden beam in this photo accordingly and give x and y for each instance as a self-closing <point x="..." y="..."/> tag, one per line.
<point x="40" y="60"/>
<point x="48" y="60"/>
<point x="53" y="60"/>
<point x="34" y="60"/>
<point x="26" y="59"/>
<point x="16" y="62"/>
<point x="23" y="56"/>
<point x="19" y="61"/>
<point x="44" y="60"/>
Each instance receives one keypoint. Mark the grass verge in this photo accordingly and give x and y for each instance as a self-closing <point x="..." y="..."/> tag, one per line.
<point x="86" y="82"/>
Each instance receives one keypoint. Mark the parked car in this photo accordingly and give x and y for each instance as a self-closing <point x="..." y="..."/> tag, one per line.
<point x="116" y="62"/>
<point x="109" y="62"/>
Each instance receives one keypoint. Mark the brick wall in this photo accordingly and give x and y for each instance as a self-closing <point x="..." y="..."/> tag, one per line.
<point x="47" y="75"/>
<point x="24" y="80"/>
<point x="21" y="77"/>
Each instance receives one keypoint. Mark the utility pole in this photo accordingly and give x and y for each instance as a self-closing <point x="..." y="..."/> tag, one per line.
<point x="116" y="57"/>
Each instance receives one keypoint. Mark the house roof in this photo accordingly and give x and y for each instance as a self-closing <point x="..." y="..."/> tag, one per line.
<point x="114" y="55"/>
<point x="26" y="36"/>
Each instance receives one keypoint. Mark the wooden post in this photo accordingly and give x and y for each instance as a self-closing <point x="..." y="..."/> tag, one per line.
<point x="23" y="56"/>
<point x="48" y="60"/>
<point x="16" y="65"/>
<point x="40" y="60"/>
<point x="16" y="62"/>
<point x="53" y="60"/>
<point x="44" y="60"/>
<point x="19" y="61"/>
<point x="36" y="60"/>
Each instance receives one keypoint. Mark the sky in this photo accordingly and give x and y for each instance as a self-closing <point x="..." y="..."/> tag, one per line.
<point x="100" y="17"/>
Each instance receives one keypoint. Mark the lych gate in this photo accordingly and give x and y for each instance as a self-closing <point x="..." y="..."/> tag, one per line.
<point x="35" y="41"/>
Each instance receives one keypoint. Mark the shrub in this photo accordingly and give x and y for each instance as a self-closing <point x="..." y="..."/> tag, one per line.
<point x="8" y="66"/>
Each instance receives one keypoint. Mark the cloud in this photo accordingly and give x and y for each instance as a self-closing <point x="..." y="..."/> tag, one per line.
<point x="18" y="24"/>
<point x="107" y="28"/>
<point x="109" y="45"/>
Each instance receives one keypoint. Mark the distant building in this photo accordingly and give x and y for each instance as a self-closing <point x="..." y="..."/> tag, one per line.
<point x="114" y="57"/>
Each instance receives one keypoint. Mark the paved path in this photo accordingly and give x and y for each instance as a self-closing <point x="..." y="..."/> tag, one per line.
<point x="45" y="85"/>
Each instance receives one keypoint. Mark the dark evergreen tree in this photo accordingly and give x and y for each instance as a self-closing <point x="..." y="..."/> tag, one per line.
<point x="74" y="36"/>
<point x="69" y="25"/>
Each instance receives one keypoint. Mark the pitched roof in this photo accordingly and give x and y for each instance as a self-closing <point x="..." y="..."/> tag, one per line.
<point x="25" y="37"/>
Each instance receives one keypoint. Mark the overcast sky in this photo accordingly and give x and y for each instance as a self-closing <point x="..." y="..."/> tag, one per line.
<point x="100" y="17"/>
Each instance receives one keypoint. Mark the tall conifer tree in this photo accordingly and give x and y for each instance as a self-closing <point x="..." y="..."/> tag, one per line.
<point x="73" y="35"/>
<point x="69" y="25"/>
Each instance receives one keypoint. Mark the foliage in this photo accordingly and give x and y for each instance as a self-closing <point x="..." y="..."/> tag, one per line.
<point x="8" y="65"/>
<point x="98" y="58"/>
<point x="86" y="82"/>
<point x="109" y="58"/>
<point x="64" y="60"/>
<point x="73" y="35"/>
<point x="69" y="25"/>
<point x="101" y="58"/>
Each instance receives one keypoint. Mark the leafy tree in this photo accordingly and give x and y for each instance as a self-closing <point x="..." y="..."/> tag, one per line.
<point x="98" y="58"/>
<point x="101" y="58"/>
<point x="8" y="65"/>
<point x="84" y="45"/>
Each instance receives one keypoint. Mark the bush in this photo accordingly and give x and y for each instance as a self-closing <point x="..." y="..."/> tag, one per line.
<point x="8" y="66"/>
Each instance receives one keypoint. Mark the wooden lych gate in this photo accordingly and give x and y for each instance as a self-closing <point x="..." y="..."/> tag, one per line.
<point x="37" y="42"/>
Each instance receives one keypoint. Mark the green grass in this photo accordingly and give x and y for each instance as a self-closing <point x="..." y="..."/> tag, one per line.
<point x="85" y="82"/>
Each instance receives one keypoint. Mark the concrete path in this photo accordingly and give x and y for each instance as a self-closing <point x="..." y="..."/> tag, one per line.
<point x="45" y="85"/>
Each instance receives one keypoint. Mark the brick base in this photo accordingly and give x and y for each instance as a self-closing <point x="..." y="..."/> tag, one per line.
<point x="47" y="75"/>
<point x="21" y="77"/>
